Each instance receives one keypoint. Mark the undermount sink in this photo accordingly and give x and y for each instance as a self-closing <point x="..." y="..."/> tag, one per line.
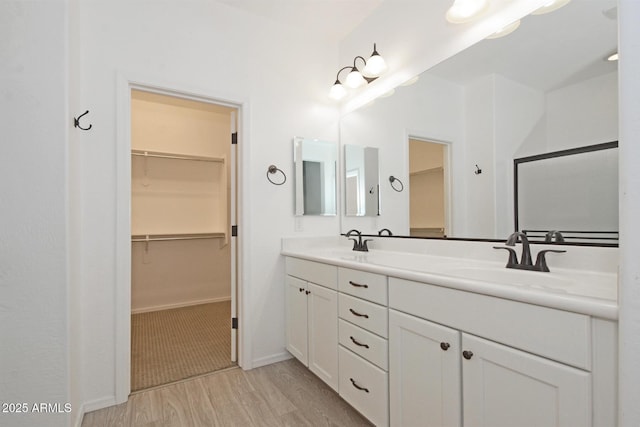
<point x="502" y="275"/>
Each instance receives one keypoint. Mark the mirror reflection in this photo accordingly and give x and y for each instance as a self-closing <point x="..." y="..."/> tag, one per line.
<point x="361" y="186"/>
<point x="315" y="176"/>
<point x="546" y="87"/>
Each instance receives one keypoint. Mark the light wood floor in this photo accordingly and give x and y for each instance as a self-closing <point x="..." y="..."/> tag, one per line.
<point x="282" y="394"/>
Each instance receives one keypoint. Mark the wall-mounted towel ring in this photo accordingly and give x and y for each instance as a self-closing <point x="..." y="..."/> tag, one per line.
<point x="76" y="121"/>
<point x="273" y="170"/>
<point x="393" y="179"/>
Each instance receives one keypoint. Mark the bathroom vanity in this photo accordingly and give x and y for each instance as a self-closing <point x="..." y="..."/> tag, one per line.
<point x="410" y="333"/>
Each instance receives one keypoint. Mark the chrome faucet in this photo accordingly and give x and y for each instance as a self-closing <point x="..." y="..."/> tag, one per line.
<point x="358" y="245"/>
<point x="525" y="259"/>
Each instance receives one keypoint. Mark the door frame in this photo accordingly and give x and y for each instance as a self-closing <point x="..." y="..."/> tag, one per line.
<point x="239" y="155"/>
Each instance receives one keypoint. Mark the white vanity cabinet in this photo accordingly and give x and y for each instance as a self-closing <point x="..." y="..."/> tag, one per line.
<point x="459" y="358"/>
<point x="312" y="317"/>
<point x="363" y="351"/>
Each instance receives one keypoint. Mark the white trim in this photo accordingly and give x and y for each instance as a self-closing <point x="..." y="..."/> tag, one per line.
<point x="178" y="305"/>
<point x="96" y="404"/>
<point x="125" y="83"/>
<point x="274" y="358"/>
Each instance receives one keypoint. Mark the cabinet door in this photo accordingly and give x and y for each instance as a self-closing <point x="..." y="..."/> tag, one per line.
<point x="296" y="318"/>
<point x="504" y="387"/>
<point x="322" y="305"/>
<point x="424" y="373"/>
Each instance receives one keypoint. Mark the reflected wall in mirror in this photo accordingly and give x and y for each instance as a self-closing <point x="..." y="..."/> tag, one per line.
<point x="361" y="187"/>
<point x="546" y="87"/>
<point x="572" y="191"/>
<point x="315" y="176"/>
<point x="428" y="192"/>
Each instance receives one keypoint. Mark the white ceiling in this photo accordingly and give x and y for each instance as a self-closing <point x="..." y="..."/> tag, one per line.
<point x="329" y="19"/>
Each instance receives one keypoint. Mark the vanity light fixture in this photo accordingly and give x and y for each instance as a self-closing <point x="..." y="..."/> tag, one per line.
<point x="550" y="6"/>
<point x="505" y="31"/>
<point x="466" y="10"/>
<point x="372" y="69"/>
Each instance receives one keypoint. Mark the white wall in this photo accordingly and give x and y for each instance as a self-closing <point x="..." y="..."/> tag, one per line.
<point x="34" y="246"/>
<point x="279" y="73"/>
<point x="629" y="276"/>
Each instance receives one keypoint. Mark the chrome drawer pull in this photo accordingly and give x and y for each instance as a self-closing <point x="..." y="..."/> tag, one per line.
<point x="357" y="386"/>
<point x="355" y="313"/>
<point x="358" y="285"/>
<point x="358" y="343"/>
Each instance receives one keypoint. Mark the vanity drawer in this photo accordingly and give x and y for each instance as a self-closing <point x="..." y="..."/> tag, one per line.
<point x="372" y="317"/>
<point x="370" y="346"/>
<point x="315" y="272"/>
<point x="361" y="284"/>
<point x="364" y="386"/>
<point x="556" y="334"/>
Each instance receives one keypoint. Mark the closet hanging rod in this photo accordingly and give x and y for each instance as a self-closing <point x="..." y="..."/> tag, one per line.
<point x="162" y="155"/>
<point x="168" y="237"/>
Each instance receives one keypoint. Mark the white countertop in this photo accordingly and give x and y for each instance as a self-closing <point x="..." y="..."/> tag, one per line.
<point x="588" y="292"/>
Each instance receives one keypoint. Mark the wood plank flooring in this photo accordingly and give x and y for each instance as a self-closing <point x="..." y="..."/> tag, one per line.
<point x="282" y="394"/>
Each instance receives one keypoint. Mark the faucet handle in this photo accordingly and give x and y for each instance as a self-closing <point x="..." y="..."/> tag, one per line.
<point x="364" y="247"/>
<point x="541" y="260"/>
<point x="513" y="257"/>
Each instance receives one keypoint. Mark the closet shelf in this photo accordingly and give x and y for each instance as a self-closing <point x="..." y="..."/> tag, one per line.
<point x="177" y="236"/>
<point x="426" y="171"/>
<point x="163" y="155"/>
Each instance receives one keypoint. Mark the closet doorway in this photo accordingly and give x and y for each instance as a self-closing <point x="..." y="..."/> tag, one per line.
<point x="183" y="260"/>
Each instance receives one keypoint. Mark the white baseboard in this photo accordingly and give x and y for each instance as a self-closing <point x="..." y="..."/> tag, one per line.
<point x="178" y="305"/>
<point x="274" y="358"/>
<point x="96" y="404"/>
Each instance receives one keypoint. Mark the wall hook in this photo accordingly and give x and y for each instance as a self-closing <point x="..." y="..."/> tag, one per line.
<point x="76" y="122"/>
<point x="478" y="171"/>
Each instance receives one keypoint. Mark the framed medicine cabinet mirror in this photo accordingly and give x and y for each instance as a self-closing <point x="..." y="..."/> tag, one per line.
<point x="315" y="176"/>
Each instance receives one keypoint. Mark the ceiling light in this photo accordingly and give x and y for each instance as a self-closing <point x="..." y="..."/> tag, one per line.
<point x="372" y="69"/>
<point x="613" y="57"/>
<point x="505" y="31"/>
<point x="466" y="10"/>
<point x="550" y="7"/>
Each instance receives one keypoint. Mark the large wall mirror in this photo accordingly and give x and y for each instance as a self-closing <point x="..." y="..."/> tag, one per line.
<point x="315" y="176"/>
<point x="545" y="88"/>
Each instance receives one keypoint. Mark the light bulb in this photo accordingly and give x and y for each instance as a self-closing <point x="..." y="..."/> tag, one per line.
<point x="354" y="79"/>
<point x="376" y="64"/>
<point x="337" y="91"/>
<point x="465" y="10"/>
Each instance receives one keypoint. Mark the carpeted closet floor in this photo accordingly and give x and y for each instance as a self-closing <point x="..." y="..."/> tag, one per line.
<point x="171" y="345"/>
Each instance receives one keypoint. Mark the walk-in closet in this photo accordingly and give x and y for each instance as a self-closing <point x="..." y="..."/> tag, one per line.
<point x="182" y="259"/>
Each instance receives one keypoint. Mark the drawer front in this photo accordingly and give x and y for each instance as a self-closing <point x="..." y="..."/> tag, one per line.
<point x="555" y="334"/>
<point x="314" y="272"/>
<point x="368" y="345"/>
<point x="369" y="286"/>
<point x="372" y="317"/>
<point x="365" y="387"/>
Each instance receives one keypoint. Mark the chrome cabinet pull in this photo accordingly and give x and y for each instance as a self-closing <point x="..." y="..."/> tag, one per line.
<point x="359" y="343"/>
<point x="467" y="354"/>
<point x="357" y="386"/>
<point x="445" y="346"/>
<point x="358" y="285"/>
<point x="355" y="313"/>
